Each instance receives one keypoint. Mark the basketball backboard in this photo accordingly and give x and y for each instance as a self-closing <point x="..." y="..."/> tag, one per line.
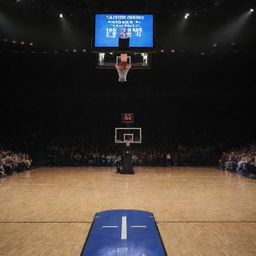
<point x="128" y="135"/>
<point x="107" y="60"/>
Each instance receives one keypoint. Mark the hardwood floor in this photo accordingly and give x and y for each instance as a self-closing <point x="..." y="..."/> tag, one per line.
<point x="199" y="211"/>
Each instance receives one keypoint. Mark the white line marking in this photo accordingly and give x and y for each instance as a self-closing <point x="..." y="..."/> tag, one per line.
<point x="124" y="228"/>
<point x="109" y="226"/>
<point x="138" y="226"/>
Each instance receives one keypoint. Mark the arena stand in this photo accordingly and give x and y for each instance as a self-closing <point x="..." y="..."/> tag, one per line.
<point x="80" y="152"/>
<point x="12" y="162"/>
<point x="241" y="160"/>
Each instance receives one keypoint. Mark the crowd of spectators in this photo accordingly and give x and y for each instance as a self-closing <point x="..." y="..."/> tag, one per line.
<point x="12" y="162"/>
<point x="241" y="160"/>
<point x="79" y="154"/>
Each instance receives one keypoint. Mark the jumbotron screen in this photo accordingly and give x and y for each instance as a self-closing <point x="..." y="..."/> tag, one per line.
<point x="138" y="27"/>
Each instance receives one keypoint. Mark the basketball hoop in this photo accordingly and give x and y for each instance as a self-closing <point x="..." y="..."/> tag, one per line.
<point x="123" y="69"/>
<point x="123" y="65"/>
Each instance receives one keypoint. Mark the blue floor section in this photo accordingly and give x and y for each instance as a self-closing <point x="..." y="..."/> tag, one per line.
<point x="124" y="233"/>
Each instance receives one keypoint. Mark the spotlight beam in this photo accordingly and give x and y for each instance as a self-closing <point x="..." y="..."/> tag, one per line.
<point x="229" y="31"/>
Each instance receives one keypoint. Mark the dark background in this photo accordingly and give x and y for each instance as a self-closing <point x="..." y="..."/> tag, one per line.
<point x="203" y="91"/>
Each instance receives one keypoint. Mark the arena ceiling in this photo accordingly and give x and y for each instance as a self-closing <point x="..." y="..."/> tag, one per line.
<point x="38" y="22"/>
<point x="174" y="7"/>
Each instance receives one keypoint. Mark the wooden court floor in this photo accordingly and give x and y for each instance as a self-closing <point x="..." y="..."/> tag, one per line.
<point x="199" y="211"/>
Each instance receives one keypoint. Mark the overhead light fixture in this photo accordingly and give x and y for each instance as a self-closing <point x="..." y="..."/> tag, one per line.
<point x="61" y="15"/>
<point x="186" y="15"/>
<point x="251" y="10"/>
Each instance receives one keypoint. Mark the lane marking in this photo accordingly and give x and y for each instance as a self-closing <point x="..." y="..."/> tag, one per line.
<point x="109" y="226"/>
<point x="138" y="226"/>
<point x="124" y="228"/>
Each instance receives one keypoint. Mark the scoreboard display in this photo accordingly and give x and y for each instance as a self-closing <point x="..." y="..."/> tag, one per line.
<point x="110" y="27"/>
<point x="127" y="118"/>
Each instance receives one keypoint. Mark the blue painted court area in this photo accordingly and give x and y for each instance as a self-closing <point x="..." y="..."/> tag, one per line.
<point x="124" y="232"/>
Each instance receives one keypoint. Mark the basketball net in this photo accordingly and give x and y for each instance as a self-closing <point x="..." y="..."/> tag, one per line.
<point x="123" y="68"/>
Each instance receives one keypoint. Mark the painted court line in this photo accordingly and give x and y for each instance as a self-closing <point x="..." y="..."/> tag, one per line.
<point x="109" y="226"/>
<point x="138" y="226"/>
<point x="124" y="228"/>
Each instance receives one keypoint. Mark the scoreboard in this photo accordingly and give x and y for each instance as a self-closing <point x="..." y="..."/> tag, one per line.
<point x="110" y="27"/>
<point x="127" y="118"/>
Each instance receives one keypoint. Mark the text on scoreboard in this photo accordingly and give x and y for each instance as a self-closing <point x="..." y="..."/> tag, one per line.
<point x="110" y="27"/>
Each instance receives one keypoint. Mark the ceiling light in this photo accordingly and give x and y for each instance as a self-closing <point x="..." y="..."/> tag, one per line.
<point x="186" y="15"/>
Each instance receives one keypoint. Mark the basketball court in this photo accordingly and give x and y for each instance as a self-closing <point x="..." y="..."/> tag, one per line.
<point x="96" y="211"/>
<point x="199" y="211"/>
